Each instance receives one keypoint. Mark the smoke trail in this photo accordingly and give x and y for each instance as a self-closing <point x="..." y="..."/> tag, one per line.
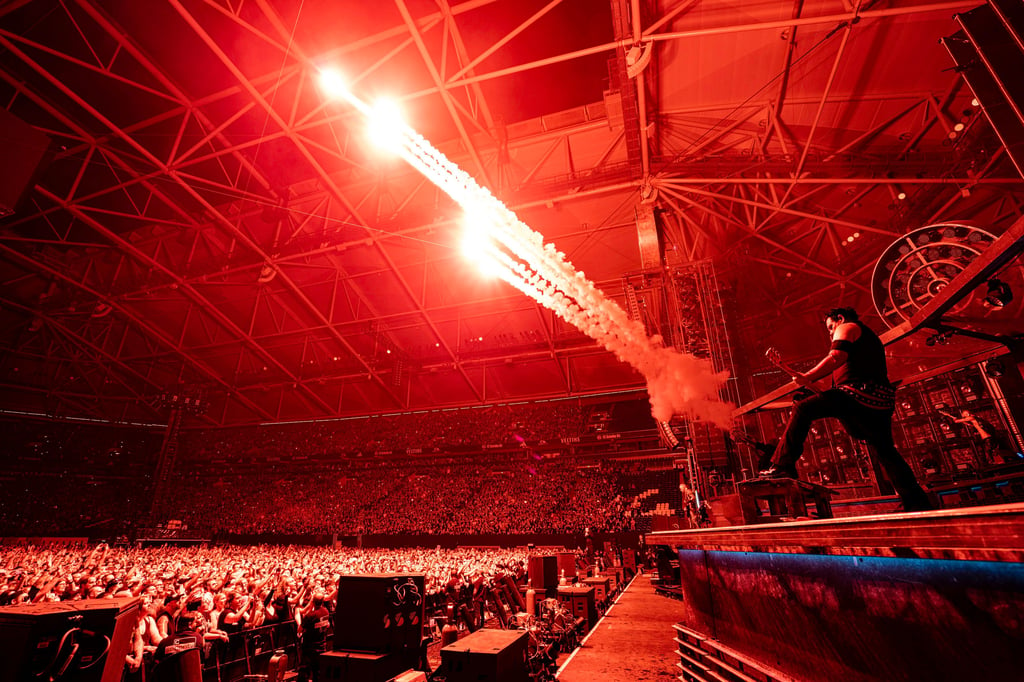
<point x="677" y="383"/>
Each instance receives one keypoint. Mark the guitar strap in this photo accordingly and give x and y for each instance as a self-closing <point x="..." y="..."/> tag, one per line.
<point x="872" y="395"/>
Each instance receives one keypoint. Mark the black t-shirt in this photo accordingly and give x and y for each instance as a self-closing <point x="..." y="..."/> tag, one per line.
<point x="865" y="360"/>
<point x="314" y="629"/>
<point x="186" y="640"/>
<point x="230" y="628"/>
<point x="282" y="609"/>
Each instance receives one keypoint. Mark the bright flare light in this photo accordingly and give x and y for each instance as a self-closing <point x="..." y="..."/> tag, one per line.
<point x="478" y="247"/>
<point x="386" y="126"/>
<point x="333" y="84"/>
<point x="677" y="383"/>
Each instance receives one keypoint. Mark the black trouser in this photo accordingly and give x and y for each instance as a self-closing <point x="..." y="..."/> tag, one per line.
<point x="863" y="423"/>
<point x="309" y="666"/>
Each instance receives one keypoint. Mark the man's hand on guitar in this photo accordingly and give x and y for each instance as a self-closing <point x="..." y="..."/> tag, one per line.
<point x="798" y="378"/>
<point x="775" y="357"/>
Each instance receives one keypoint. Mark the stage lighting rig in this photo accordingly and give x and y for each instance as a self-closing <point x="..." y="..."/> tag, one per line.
<point x="999" y="293"/>
<point x="183" y="401"/>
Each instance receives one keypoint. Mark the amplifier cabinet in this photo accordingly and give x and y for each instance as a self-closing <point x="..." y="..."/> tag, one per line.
<point x="580" y="602"/>
<point x="380" y="613"/>
<point x="543" y="572"/>
<point x="88" y="639"/>
<point x="600" y="585"/>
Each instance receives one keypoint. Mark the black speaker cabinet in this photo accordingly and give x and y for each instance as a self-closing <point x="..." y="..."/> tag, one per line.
<point x="543" y="572"/>
<point x="614" y="576"/>
<point x="580" y="602"/>
<point x="566" y="565"/>
<point x="87" y="639"/>
<point x="600" y="585"/>
<point x="487" y="656"/>
<point x="25" y="155"/>
<point x="380" y="613"/>
<point x="357" y="666"/>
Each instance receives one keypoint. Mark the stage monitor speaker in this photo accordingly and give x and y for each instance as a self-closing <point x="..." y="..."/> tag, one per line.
<point x="25" y="152"/>
<point x="380" y="613"/>
<point x="76" y="641"/>
<point x="487" y="656"/>
<point x="357" y="666"/>
<point x="543" y="572"/>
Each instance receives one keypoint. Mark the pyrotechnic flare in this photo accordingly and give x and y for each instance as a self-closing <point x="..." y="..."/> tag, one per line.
<point x="677" y="383"/>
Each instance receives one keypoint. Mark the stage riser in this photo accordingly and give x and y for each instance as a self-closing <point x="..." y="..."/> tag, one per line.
<point x="859" y="618"/>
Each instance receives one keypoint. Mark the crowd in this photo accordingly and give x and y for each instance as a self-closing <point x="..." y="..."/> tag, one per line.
<point x="484" y="495"/>
<point x="426" y="431"/>
<point x="59" y="572"/>
<point x="225" y="589"/>
<point x="398" y="474"/>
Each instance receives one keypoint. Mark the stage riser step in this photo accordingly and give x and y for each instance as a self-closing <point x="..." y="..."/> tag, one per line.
<point x="705" y="659"/>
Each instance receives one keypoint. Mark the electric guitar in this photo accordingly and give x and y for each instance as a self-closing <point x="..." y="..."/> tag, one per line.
<point x="775" y="358"/>
<point x="969" y="420"/>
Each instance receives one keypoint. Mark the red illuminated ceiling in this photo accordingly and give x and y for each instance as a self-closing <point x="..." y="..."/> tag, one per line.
<point x="212" y="223"/>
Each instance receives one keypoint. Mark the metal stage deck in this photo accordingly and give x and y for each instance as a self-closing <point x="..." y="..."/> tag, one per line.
<point x="909" y="596"/>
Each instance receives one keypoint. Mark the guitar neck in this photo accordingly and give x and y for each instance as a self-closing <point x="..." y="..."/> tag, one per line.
<point x="784" y="367"/>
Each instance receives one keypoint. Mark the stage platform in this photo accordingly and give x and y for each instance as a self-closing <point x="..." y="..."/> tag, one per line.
<point x="631" y="643"/>
<point x="908" y="596"/>
<point x="994" y="533"/>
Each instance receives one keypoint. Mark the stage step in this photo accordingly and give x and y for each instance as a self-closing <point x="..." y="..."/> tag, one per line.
<point x="706" y="660"/>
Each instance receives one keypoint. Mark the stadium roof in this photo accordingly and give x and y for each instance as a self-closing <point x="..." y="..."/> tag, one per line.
<point x="210" y="224"/>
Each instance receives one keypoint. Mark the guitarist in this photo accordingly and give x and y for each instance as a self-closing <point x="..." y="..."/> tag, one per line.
<point x="991" y="442"/>
<point x="860" y="397"/>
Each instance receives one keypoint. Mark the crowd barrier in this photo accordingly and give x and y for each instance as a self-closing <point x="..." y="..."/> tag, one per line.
<point x="246" y="654"/>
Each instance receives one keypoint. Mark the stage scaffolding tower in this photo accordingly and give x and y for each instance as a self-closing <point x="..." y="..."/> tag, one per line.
<point x="686" y="305"/>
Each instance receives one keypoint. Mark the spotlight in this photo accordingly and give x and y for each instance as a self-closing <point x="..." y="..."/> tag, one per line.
<point x="999" y="293"/>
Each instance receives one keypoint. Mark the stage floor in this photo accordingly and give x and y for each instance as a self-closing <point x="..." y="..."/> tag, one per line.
<point x="632" y="643"/>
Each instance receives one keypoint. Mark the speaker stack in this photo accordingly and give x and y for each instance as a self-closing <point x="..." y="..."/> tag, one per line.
<point x="543" y="574"/>
<point x="600" y="585"/>
<point x="378" y="627"/>
<point x="567" y="566"/>
<point x="988" y="52"/>
<point x="77" y="641"/>
<point x="628" y="563"/>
